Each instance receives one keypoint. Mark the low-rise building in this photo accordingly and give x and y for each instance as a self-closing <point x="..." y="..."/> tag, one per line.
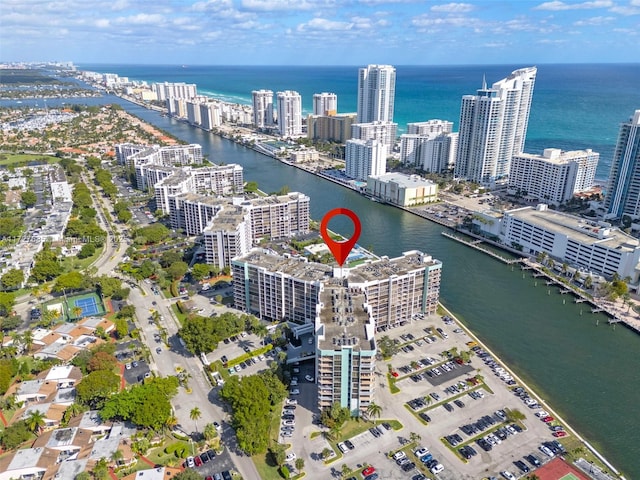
<point x="402" y="189"/>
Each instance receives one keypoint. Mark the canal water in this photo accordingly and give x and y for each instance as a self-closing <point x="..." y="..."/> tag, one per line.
<point x="589" y="373"/>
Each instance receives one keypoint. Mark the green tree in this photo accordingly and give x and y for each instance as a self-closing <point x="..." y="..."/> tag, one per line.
<point x="96" y="387"/>
<point x="210" y="432"/>
<point x="28" y="199"/>
<point x="83" y="476"/>
<point x="69" y="281"/>
<point x="35" y="421"/>
<point x="177" y="270"/>
<point x="101" y="469"/>
<point x="14" y="435"/>
<point x="299" y="464"/>
<point x="414" y="437"/>
<point x="278" y="453"/>
<point x="7" y="301"/>
<point x="200" y="271"/>
<point x="87" y="250"/>
<point x="188" y="474"/>
<point x="122" y="327"/>
<point x="194" y="415"/>
<point x="45" y="270"/>
<point x="169" y="257"/>
<point x="374" y="410"/>
<point x="345" y="470"/>
<point x="12" y="280"/>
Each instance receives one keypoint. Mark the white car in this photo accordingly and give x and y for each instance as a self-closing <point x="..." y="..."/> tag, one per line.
<point x="546" y="450"/>
<point x="295" y="391"/>
<point x="399" y="455"/>
<point x="438" y="468"/>
<point x="542" y="414"/>
<point x="343" y="448"/>
<point x="289" y="423"/>
<point x="308" y="378"/>
<point x="294" y="383"/>
<point x="421" y="452"/>
<point x="191" y="462"/>
<point x="290" y="457"/>
<point x="291" y="401"/>
<point x="508" y="475"/>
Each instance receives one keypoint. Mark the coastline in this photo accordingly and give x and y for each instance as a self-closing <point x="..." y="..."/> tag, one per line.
<point x="432" y="218"/>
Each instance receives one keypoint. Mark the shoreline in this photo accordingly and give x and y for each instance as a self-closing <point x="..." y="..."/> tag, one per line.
<point x="442" y="222"/>
<point x="534" y="394"/>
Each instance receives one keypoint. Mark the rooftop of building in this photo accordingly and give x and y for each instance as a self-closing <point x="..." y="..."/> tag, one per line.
<point x="297" y="267"/>
<point x="345" y="316"/>
<point x="558" y="156"/>
<point x="374" y="270"/>
<point x="584" y="231"/>
<point x="276" y="199"/>
<point x="179" y="176"/>
<point x="227" y="219"/>
<point x="403" y="179"/>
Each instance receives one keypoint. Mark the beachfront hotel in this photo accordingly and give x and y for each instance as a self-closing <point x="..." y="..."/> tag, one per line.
<point x="167" y="90"/>
<point x="493" y="127"/>
<point x="376" y="93"/>
<point x="289" y="104"/>
<point x="555" y="176"/>
<point x="262" y="102"/>
<point x="325" y="104"/>
<point x="623" y="191"/>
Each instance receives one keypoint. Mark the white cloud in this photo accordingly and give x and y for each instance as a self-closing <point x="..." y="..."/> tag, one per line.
<point x="325" y="25"/>
<point x="428" y="21"/>
<point x="632" y="9"/>
<point x="453" y="8"/>
<point x="103" y="23"/>
<point x="142" y="19"/>
<point x="593" y="21"/>
<point x="278" y="5"/>
<point x="558" y="5"/>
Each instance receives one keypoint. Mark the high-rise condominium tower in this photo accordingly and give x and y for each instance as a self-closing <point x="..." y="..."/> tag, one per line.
<point x="623" y="191"/>
<point x="376" y="93"/>
<point x="325" y="104"/>
<point x="289" y="113"/>
<point x="262" y="108"/>
<point x="493" y="127"/>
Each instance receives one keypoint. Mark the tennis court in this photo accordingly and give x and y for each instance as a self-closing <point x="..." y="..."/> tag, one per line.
<point x="85" y="306"/>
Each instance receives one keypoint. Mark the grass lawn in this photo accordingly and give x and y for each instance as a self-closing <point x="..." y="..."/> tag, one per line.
<point x="160" y="456"/>
<point x="20" y="158"/>
<point x="179" y="315"/>
<point x="71" y="264"/>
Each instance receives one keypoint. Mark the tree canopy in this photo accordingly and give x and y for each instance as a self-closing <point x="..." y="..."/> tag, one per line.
<point x="96" y="387"/>
<point x="253" y="400"/>
<point x="202" y="334"/>
<point x="147" y="405"/>
<point x="12" y="279"/>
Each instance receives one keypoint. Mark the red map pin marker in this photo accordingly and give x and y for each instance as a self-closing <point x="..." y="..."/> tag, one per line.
<point x="340" y="250"/>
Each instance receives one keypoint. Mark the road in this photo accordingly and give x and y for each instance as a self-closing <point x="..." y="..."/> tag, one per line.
<point x="174" y="355"/>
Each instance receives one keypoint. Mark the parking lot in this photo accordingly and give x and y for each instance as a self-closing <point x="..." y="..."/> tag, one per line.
<point x="451" y="401"/>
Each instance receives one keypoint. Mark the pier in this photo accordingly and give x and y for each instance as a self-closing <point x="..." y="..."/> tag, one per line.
<point x="476" y="244"/>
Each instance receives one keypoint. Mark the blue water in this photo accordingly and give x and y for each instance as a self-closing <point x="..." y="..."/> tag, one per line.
<point x="574" y="106"/>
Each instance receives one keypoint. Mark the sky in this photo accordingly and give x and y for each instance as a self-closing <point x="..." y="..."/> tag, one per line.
<point x="320" y="32"/>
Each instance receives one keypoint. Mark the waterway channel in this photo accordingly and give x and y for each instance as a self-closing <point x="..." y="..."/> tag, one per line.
<point x="585" y="368"/>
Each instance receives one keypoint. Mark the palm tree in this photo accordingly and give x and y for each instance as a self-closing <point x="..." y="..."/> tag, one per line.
<point x="170" y="422"/>
<point x="374" y="410"/>
<point x="116" y="456"/>
<point x="346" y="470"/>
<point x="76" y="311"/>
<point x="194" y="415"/>
<point x="27" y="340"/>
<point x="35" y="421"/>
<point x="414" y="437"/>
<point x="588" y="282"/>
<point x="299" y="464"/>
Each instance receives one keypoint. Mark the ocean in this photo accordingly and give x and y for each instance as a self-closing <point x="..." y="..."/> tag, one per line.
<point x="574" y="107"/>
